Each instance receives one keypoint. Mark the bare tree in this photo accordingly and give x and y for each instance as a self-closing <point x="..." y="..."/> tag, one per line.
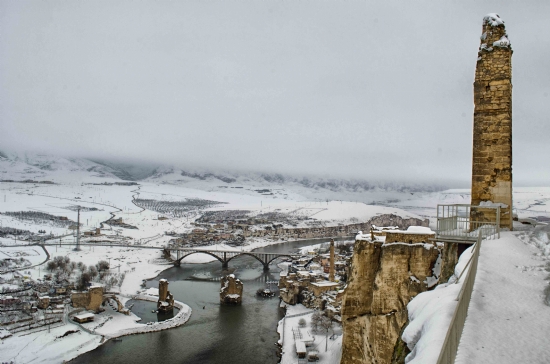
<point x="51" y="266"/>
<point x="102" y="265"/>
<point x="315" y="320"/>
<point x="92" y="270"/>
<point x="85" y="278"/>
<point x="326" y="324"/>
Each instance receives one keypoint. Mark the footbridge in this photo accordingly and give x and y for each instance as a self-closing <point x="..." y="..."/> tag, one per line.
<point x="225" y="256"/>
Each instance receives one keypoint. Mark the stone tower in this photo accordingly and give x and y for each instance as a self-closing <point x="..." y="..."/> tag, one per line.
<point x="492" y="147"/>
<point x="331" y="271"/>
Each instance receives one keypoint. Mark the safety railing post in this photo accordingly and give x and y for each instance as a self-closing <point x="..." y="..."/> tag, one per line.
<point x="498" y="221"/>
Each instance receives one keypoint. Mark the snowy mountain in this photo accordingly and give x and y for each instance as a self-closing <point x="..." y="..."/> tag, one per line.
<point x="21" y="166"/>
<point x="33" y="166"/>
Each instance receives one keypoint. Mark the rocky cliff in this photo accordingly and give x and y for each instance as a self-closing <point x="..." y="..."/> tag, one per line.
<point x="383" y="279"/>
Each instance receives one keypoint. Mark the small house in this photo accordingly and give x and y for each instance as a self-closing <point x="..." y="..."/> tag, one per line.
<point x="84" y="317"/>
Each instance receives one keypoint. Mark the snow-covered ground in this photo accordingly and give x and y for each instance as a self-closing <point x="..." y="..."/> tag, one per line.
<point x="100" y="202"/>
<point x="508" y="318"/>
<point x="291" y="322"/>
<point x="47" y="346"/>
<point x="81" y="183"/>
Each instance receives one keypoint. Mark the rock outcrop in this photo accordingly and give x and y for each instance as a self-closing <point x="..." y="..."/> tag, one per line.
<point x="384" y="278"/>
<point x="231" y="291"/>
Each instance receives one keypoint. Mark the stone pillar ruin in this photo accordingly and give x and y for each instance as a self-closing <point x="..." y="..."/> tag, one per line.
<point x="492" y="147"/>
<point x="231" y="291"/>
<point x="331" y="271"/>
<point x="166" y="299"/>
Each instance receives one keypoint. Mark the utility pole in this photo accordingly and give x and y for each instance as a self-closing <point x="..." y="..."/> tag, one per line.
<point x="78" y="231"/>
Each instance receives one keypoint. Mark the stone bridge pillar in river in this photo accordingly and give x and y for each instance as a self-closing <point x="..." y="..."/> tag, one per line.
<point x="166" y="299"/>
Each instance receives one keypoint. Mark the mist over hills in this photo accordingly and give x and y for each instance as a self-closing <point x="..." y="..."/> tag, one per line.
<point x="21" y="166"/>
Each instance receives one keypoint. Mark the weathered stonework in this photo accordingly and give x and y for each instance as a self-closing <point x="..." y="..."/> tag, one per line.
<point x="90" y="300"/>
<point x="407" y="237"/>
<point x="165" y="303"/>
<point x="492" y="146"/>
<point x="231" y="291"/>
<point x="43" y="302"/>
<point x="384" y="278"/>
<point x="331" y="269"/>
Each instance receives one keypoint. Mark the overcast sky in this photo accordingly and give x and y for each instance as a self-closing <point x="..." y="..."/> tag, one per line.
<point x="366" y="89"/>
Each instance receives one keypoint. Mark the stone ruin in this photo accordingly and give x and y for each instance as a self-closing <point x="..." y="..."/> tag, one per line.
<point x="492" y="150"/>
<point x="231" y="291"/>
<point x="91" y="300"/>
<point x="94" y="299"/>
<point x="165" y="303"/>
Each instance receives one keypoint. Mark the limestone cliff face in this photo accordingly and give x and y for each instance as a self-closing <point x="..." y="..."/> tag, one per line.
<point x="383" y="279"/>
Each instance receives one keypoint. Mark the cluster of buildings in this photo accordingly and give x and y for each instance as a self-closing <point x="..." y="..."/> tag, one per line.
<point x="235" y="229"/>
<point x="206" y="233"/>
<point x="316" y="280"/>
<point x="27" y="303"/>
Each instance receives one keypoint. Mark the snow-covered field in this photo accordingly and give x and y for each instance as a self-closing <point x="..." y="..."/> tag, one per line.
<point x="81" y="183"/>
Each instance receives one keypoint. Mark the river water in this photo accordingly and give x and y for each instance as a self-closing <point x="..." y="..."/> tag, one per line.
<point x="214" y="333"/>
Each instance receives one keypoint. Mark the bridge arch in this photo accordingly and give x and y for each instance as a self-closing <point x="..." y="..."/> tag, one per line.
<point x="249" y="254"/>
<point x="178" y="262"/>
<point x="279" y="256"/>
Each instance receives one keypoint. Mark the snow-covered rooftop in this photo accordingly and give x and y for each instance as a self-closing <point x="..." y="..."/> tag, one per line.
<point x="325" y="284"/>
<point x="83" y="316"/>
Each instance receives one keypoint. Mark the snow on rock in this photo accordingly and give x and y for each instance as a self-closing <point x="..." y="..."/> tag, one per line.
<point x="503" y="42"/>
<point x="429" y="316"/>
<point x="493" y="204"/>
<point x="484" y="47"/>
<point x="419" y="230"/>
<point x="361" y="236"/>
<point x="493" y="19"/>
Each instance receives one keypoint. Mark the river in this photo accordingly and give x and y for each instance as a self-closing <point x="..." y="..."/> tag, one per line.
<point x="214" y="333"/>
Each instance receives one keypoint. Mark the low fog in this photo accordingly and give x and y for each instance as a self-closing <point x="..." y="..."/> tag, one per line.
<point x="347" y="89"/>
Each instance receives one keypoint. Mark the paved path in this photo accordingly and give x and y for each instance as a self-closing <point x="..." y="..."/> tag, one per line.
<point x="507" y="320"/>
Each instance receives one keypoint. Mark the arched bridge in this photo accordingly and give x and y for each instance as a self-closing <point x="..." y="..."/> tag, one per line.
<point x="224" y="256"/>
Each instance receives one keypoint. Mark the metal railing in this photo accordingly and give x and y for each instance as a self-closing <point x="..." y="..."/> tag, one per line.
<point x="465" y="222"/>
<point x="452" y="339"/>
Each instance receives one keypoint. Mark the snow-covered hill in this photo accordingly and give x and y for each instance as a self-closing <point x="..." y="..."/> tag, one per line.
<point x="33" y="166"/>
